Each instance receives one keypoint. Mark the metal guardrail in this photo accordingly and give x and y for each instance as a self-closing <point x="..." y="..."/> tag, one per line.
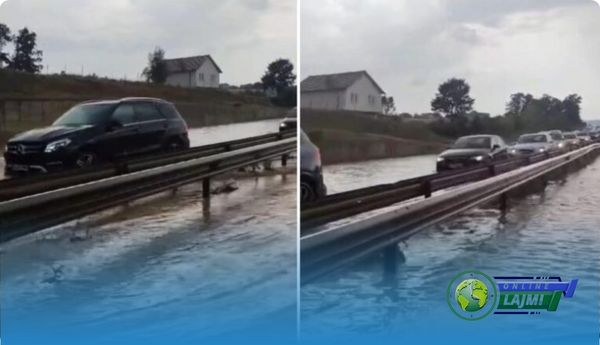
<point x="30" y="213"/>
<point x="35" y="184"/>
<point x="329" y="249"/>
<point x="344" y="205"/>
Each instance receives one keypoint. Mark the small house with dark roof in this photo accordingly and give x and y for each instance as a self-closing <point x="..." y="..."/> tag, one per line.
<point x="193" y="71"/>
<point x="355" y="91"/>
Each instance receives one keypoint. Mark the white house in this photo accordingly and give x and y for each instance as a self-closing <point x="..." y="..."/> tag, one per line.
<point x="194" y="71"/>
<point x="356" y="91"/>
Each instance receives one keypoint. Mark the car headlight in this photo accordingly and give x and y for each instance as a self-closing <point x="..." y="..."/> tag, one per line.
<point x="55" y="145"/>
<point x="478" y="158"/>
<point x="513" y="150"/>
<point x="542" y="150"/>
<point x="440" y="159"/>
<point x="561" y="145"/>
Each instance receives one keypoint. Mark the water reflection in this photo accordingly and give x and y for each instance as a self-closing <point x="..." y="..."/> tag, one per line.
<point x="553" y="232"/>
<point x="177" y="265"/>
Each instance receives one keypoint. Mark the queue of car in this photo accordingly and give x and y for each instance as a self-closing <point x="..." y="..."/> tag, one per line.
<point x="473" y="150"/>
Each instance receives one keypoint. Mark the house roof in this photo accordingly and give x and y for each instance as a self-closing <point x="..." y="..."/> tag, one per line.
<point x="336" y="81"/>
<point x="188" y="64"/>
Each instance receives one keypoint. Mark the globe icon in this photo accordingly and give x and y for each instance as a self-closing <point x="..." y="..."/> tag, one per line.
<point x="471" y="295"/>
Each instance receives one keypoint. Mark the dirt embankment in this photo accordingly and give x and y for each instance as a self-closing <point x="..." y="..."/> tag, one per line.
<point x="350" y="136"/>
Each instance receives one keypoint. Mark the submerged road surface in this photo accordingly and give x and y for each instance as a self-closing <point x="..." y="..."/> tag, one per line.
<point x="163" y="270"/>
<point x="348" y="176"/>
<point x="551" y="233"/>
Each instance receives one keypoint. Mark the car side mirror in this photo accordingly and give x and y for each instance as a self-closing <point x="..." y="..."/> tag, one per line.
<point x="113" y="125"/>
<point x="495" y="147"/>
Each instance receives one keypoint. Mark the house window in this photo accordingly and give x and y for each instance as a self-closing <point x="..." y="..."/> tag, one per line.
<point x="353" y="98"/>
<point x="201" y="76"/>
<point x="213" y="78"/>
<point x="371" y="100"/>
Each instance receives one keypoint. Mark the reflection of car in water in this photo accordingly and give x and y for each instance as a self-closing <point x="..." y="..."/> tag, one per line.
<point x="290" y="122"/>
<point x="311" y="176"/>
<point x="471" y="151"/>
<point x="98" y="131"/>
<point x="533" y="143"/>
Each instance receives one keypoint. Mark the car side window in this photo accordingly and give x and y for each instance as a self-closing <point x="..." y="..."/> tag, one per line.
<point x="124" y="114"/>
<point x="168" y="110"/>
<point x="147" y="112"/>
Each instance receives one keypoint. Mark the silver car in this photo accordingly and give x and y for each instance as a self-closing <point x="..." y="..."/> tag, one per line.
<point x="533" y="143"/>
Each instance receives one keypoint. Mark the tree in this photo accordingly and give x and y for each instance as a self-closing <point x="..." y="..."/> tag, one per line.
<point x="389" y="107"/>
<point x="572" y="109"/>
<point x="518" y="103"/>
<point x="279" y="76"/>
<point x="453" y="99"/>
<point x="156" y="72"/>
<point x="26" y="58"/>
<point x="5" y="38"/>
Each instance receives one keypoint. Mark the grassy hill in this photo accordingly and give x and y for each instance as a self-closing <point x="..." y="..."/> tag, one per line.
<point x="26" y="85"/>
<point x="29" y="101"/>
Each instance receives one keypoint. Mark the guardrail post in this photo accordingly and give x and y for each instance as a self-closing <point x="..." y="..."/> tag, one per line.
<point x="427" y="189"/>
<point x="206" y="188"/>
<point x="284" y="160"/>
<point x="503" y="203"/>
<point x="492" y="169"/>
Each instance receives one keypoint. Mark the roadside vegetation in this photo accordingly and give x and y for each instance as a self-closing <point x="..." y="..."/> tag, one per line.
<point x="353" y="136"/>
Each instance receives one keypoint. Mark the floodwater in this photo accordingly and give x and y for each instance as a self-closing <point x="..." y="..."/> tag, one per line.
<point x="348" y="176"/>
<point x="214" y="134"/>
<point x="551" y="233"/>
<point x="168" y="268"/>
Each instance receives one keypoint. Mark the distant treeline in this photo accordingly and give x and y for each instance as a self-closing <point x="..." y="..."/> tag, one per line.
<point x="454" y="115"/>
<point x="524" y="113"/>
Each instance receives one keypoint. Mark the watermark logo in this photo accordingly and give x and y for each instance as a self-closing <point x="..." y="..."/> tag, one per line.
<point x="473" y="295"/>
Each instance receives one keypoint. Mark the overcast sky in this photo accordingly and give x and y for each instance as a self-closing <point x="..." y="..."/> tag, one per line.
<point x="499" y="46"/>
<point x="114" y="37"/>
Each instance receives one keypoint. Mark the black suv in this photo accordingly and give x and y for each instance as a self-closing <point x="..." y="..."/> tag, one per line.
<point x="98" y="131"/>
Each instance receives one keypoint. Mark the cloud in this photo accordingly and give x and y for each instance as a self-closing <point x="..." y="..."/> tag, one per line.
<point x="113" y="37"/>
<point x="500" y="47"/>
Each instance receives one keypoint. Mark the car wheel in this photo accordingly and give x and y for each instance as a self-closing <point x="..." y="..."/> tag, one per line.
<point x="86" y="159"/>
<point x="174" y="145"/>
<point x="308" y="192"/>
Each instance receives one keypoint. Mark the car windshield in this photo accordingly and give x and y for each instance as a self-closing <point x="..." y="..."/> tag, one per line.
<point x="556" y="136"/>
<point x="472" y="143"/>
<point x="533" y="138"/>
<point x="86" y="114"/>
<point x="570" y="136"/>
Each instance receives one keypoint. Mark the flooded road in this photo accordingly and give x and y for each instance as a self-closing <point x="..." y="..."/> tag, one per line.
<point x="550" y="233"/>
<point x="168" y="268"/>
<point x="210" y="135"/>
<point x="172" y="266"/>
<point x="344" y="177"/>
